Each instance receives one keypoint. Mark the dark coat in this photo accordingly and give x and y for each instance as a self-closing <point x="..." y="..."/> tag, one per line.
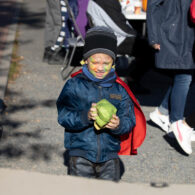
<point x="81" y="138"/>
<point x="168" y="24"/>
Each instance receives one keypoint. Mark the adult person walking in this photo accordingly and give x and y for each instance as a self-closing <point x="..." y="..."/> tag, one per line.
<point x="171" y="34"/>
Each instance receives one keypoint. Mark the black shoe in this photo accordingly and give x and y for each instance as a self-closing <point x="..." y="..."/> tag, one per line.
<point x="56" y="57"/>
<point x="47" y="54"/>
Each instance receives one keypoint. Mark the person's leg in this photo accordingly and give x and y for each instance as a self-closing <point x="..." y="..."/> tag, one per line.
<point x="62" y="33"/>
<point x="109" y="170"/>
<point x="53" y="22"/>
<point x="165" y="105"/>
<point x="179" y="92"/>
<point x="183" y="133"/>
<point x="160" y="116"/>
<point x="52" y="29"/>
<point x="59" y="49"/>
<point x="79" y="166"/>
<point x="49" y="27"/>
<point x="55" y="11"/>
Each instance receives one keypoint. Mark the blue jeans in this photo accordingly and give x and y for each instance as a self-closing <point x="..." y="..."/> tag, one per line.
<point x="174" y="101"/>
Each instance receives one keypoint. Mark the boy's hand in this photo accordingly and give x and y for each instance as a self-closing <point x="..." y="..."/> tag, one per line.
<point x="92" y="114"/>
<point x="114" y="122"/>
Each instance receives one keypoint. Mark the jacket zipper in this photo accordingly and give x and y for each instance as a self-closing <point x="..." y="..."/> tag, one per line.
<point x="98" y="136"/>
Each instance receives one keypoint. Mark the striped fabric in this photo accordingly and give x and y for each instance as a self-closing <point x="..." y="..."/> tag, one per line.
<point x="65" y="31"/>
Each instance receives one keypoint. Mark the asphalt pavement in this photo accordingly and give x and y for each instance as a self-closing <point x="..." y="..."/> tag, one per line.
<point x="32" y="140"/>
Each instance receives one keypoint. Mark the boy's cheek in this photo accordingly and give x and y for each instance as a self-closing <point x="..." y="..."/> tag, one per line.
<point x="92" y="69"/>
<point x="108" y="68"/>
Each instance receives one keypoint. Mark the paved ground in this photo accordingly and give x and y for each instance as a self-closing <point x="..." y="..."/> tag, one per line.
<point x="32" y="139"/>
<point x="8" y="12"/>
<point x="41" y="184"/>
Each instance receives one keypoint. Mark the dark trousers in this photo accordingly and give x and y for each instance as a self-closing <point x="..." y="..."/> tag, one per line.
<point x="109" y="170"/>
<point x="143" y="53"/>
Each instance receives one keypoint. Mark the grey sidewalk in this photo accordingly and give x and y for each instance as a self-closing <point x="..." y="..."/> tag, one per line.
<point x="42" y="184"/>
<point x="32" y="139"/>
<point x="8" y="13"/>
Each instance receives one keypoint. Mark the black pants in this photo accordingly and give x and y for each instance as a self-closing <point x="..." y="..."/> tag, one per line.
<point x="109" y="170"/>
<point x="143" y="53"/>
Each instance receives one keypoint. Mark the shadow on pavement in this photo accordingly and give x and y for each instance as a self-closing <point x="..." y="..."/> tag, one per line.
<point x="34" y="151"/>
<point x="8" y="15"/>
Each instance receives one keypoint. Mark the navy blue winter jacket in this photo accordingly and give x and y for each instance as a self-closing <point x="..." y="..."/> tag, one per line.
<point x="81" y="138"/>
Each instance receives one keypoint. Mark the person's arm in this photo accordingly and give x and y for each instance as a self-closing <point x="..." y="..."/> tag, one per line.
<point x="126" y="117"/>
<point x="70" y="114"/>
<point x="153" y="16"/>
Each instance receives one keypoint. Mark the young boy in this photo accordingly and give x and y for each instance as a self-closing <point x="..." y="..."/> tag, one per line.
<point x="93" y="153"/>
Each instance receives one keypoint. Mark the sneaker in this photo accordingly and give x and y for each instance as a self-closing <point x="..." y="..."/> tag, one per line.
<point x="171" y="135"/>
<point x="192" y="135"/>
<point x="161" y="120"/>
<point x="183" y="135"/>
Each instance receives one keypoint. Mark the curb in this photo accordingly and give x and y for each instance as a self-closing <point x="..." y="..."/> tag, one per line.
<point x="25" y="182"/>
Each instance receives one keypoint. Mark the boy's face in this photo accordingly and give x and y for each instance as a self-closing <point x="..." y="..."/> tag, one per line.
<point x="99" y="65"/>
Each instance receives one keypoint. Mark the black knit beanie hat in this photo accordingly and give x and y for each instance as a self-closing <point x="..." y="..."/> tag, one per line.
<point x="100" y="39"/>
